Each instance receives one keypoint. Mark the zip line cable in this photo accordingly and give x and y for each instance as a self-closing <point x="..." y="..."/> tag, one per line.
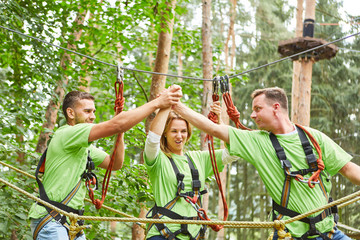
<point x="177" y="76"/>
<point x="97" y="60"/>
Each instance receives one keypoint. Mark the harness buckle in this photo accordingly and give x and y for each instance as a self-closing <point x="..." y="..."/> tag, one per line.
<point x="180" y="178"/>
<point x="311" y="159"/>
<point x="285" y="163"/>
<point x="196" y="184"/>
<point x="90" y="165"/>
<point x="312" y="230"/>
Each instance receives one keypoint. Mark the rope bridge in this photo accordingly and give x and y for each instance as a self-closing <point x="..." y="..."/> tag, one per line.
<point x="279" y="225"/>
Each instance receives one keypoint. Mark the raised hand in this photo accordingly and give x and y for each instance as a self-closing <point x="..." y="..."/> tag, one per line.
<point x="215" y="107"/>
<point x="169" y="96"/>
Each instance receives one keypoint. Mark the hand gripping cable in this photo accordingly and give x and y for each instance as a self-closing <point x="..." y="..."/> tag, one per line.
<point x="119" y="105"/>
<point x="210" y="140"/>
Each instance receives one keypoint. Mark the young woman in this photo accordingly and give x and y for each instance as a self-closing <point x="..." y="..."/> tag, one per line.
<point x="177" y="178"/>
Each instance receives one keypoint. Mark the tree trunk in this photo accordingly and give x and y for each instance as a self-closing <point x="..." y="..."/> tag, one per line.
<point x="180" y="66"/>
<point x="301" y="89"/>
<point x="157" y="85"/>
<point x="54" y="104"/>
<point x="207" y="73"/>
<point x="229" y="55"/>
<point x="162" y="58"/>
<point x="297" y="64"/>
<point x="20" y="139"/>
<point x="207" y="62"/>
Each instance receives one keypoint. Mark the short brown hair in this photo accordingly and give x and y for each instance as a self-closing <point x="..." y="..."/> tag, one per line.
<point x="274" y="94"/>
<point x="163" y="141"/>
<point x="72" y="97"/>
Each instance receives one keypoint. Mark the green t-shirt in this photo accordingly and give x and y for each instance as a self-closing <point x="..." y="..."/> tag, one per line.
<point x="65" y="162"/>
<point x="256" y="148"/>
<point x="164" y="184"/>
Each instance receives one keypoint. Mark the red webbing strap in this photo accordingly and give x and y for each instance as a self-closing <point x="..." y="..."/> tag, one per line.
<point x="210" y="140"/>
<point x="316" y="175"/>
<point x="119" y="105"/>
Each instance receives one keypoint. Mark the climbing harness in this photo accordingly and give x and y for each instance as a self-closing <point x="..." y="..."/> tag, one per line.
<point x="89" y="177"/>
<point x="234" y="115"/>
<point x="119" y="105"/>
<point x="210" y="141"/>
<point x="193" y="198"/>
<point x="52" y="214"/>
<point x="316" y="166"/>
<point x="299" y="176"/>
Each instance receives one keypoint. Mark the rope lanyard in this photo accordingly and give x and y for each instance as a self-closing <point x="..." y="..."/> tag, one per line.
<point x="119" y="105"/>
<point x="210" y="141"/>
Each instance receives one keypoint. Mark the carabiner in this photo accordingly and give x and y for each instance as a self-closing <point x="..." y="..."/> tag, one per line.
<point x="216" y="83"/>
<point x="120" y="73"/>
<point x="224" y="84"/>
<point x="306" y="180"/>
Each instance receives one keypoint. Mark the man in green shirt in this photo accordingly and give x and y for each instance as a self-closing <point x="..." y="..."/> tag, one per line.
<point x="68" y="151"/>
<point x="270" y="113"/>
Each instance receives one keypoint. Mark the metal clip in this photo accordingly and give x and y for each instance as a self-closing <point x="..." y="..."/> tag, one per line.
<point x="216" y="84"/>
<point x="194" y="205"/>
<point x="306" y="180"/>
<point x="120" y="73"/>
<point x="224" y="84"/>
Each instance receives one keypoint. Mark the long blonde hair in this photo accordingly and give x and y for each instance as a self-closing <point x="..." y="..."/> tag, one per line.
<point x="163" y="141"/>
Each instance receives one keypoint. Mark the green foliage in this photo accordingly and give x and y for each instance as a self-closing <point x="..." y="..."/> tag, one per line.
<point x="127" y="31"/>
<point x="15" y="206"/>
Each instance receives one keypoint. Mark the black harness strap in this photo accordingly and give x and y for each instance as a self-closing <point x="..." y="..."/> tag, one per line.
<point x="289" y="175"/>
<point x="52" y="214"/>
<point x="158" y="212"/>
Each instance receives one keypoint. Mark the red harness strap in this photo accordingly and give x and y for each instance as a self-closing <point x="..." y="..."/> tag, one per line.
<point x="119" y="105"/>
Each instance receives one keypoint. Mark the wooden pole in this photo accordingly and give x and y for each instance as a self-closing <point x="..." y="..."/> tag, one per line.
<point x="301" y="90"/>
<point x="297" y="64"/>
<point x="207" y="63"/>
<point x="207" y="73"/>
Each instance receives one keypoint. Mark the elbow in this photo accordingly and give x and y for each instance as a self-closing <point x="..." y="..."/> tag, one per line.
<point x="117" y="167"/>
<point x="118" y="127"/>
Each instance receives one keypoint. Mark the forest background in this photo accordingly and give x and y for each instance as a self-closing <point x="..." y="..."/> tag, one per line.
<point x="34" y="77"/>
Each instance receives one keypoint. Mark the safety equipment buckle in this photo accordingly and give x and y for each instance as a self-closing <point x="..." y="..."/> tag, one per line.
<point x="285" y="164"/>
<point x="180" y="178"/>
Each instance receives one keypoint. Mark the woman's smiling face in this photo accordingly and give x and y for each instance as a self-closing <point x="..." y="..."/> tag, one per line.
<point x="176" y="136"/>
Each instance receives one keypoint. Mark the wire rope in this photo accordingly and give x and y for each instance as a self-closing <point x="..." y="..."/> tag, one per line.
<point x="177" y="76"/>
<point x="100" y="61"/>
